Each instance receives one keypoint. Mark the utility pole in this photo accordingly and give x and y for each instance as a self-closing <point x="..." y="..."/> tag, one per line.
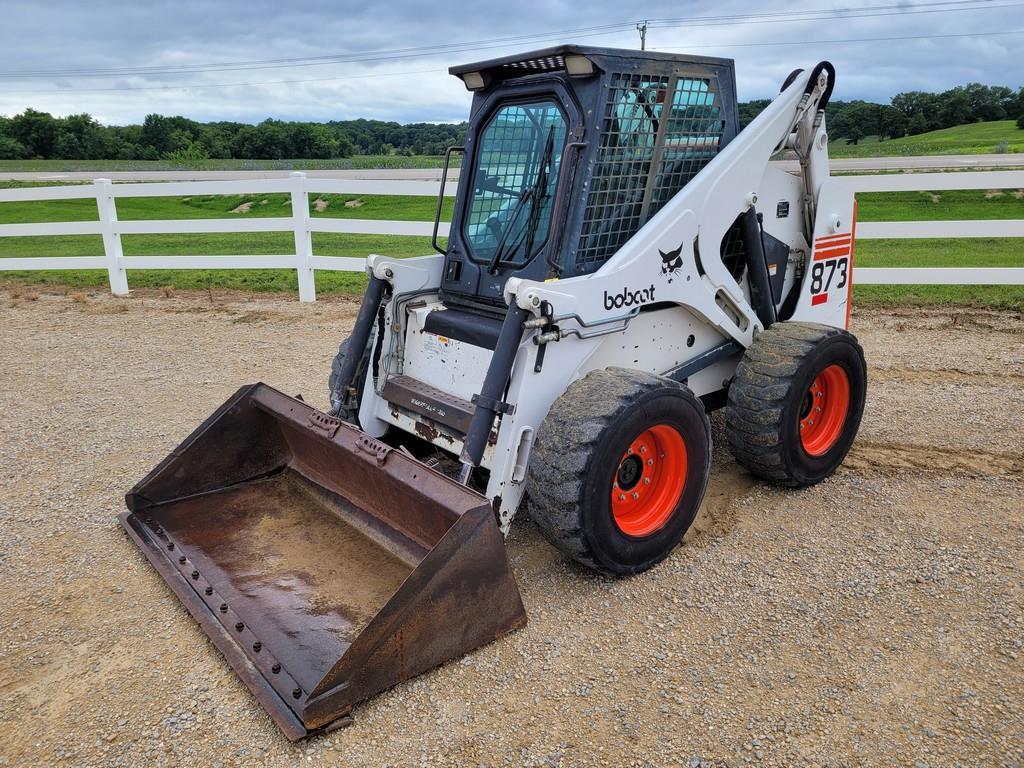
<point x="642" y="29"/>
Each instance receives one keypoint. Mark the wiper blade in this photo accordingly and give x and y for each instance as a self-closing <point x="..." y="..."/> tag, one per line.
<point x="535" y="194"/>
<point x="540" y="191"/>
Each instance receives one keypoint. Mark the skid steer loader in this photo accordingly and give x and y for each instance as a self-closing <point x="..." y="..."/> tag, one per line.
<point x="621" y="261"/>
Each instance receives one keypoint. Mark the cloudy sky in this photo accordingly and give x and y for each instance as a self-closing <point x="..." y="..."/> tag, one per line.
<point x="251" y="60"/>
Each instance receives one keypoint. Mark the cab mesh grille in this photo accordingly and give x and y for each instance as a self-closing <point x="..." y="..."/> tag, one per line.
<point x="647" y="153"/>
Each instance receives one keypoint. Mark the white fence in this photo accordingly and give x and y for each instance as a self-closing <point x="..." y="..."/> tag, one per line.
<point x="302" y="225"/>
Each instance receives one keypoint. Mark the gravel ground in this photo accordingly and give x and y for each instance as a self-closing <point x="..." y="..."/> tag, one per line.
<point x="876" y="619"/>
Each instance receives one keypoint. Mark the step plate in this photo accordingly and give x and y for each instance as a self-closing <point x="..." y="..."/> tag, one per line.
<point x="431" y="402"/>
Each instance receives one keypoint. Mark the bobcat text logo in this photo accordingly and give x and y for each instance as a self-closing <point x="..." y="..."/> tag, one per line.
<point x="671" y="262"/>
<point x="627" y="298"/>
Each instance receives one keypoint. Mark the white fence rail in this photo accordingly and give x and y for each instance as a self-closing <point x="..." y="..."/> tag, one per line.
<point x="938" y="182"/>
<point x="302" y="226"/>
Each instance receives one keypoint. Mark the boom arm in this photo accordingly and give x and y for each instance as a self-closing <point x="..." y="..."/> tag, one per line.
<point x="693" y="223"/>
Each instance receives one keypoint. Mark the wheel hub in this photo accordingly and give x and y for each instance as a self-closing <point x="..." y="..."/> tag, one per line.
<point x="630" y="471"/>
<point x="649" y="481"/>
<point x="823" y="411"/>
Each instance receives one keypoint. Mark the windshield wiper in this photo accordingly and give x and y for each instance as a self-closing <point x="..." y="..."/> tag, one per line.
<point x="536" y="193"/>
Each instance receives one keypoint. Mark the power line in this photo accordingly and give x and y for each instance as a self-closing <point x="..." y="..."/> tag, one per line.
<point x="846" y="40"/>
<point x="317" y="60"/>
<point x="192" y="86"/>
<point x="938" y="6"/>
<point x="438" y="71"/>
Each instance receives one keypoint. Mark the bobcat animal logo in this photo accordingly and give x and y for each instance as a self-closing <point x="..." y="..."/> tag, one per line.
<point x="671" y="262"/>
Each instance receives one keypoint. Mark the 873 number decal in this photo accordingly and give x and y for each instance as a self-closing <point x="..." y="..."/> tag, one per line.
<point x="827" y="275"/>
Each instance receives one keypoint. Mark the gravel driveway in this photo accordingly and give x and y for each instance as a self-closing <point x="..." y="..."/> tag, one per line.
<point x="876" y="619"/>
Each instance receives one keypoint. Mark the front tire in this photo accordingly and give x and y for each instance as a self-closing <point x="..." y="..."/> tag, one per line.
<point x="619" y="469"/>
<point x="796" y="402"/>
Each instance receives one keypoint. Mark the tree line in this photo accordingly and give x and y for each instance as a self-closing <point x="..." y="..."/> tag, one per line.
<point x="34" y="134"/>
<point x="914" y="112"/>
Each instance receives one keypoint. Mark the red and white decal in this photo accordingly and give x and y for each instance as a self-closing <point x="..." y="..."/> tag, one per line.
<point x="830" y="267"/>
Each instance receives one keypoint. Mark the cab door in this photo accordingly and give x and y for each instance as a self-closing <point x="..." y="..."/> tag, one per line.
<point x="503" y="226"/>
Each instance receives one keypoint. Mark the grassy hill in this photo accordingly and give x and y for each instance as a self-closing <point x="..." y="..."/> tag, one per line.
<point x="974" y="139"/>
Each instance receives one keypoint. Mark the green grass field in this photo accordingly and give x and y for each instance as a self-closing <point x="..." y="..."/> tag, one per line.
<point x="216" y="244"/>
<point x="974" y="139"/>
<point x="905" y="206"/>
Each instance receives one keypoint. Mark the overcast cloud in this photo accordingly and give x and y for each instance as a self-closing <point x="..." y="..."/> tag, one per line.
<point x="103" y="35"/>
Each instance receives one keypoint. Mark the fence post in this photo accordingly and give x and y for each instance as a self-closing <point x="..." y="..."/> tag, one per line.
<point x="111" y="239"/>
<point x="303" y="238"/>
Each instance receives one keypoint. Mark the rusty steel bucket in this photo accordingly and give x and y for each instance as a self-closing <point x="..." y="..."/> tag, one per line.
<point x="324" y="565"/>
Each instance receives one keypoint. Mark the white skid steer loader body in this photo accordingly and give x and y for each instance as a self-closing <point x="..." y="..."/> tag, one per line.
<point x="672" y="260"/>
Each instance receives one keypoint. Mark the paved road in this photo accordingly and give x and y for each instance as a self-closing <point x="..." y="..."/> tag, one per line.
<point x="926" y="162"/>
<point x="923" y="162"/>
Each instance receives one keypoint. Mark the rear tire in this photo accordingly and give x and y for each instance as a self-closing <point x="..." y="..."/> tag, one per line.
<point x="796" y="402"/>
<point x="619" y="469"/>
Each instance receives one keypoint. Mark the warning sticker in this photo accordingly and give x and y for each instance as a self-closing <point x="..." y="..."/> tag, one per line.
<point x="434" y="344"/>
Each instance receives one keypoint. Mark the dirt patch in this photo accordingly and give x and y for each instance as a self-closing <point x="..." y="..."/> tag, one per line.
<point x="320" y="205"/>
<point x="991" y="193"/>
<point x="1018" y="194"/>
<point x="874" y="619"/>
<point x="353" y="203"/>
<point x="243" y="208"/>
<point x="935" y="197"/>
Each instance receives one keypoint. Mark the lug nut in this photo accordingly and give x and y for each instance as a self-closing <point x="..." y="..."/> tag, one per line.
<point x="622" y="497"/>
<point x="650" y="462"/>
<point x="636" y="495"/>
<point x="643" y="449"/>
<point x="647" y="481"/>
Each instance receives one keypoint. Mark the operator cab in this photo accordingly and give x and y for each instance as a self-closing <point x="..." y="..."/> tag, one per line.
<point x="569" y="151"/>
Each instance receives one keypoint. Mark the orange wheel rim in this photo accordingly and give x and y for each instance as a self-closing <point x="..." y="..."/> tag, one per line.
<point x="649" y="481"/>
<point x="824" y="409"/>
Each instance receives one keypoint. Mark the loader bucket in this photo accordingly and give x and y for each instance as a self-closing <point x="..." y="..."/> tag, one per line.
<point x="324" y="565"/>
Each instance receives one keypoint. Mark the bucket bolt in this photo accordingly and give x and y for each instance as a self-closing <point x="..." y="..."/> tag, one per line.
<point x="257" y="646"/>
<point x="276" y="668"/>
<point x="171" y="546"/>
<point x="209" y="591"/>
<point x="223" y="607"/>
<point x="195" y="575"/>
<point x="182" y="559"/>
<point x="297" y="693"/>
<point x="239" y="627"/>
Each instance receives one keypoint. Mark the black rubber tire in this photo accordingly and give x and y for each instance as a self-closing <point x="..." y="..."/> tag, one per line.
<point x="339" y="360"/>
<point x="762" y="416"/>
<point x="578" y="450"/>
